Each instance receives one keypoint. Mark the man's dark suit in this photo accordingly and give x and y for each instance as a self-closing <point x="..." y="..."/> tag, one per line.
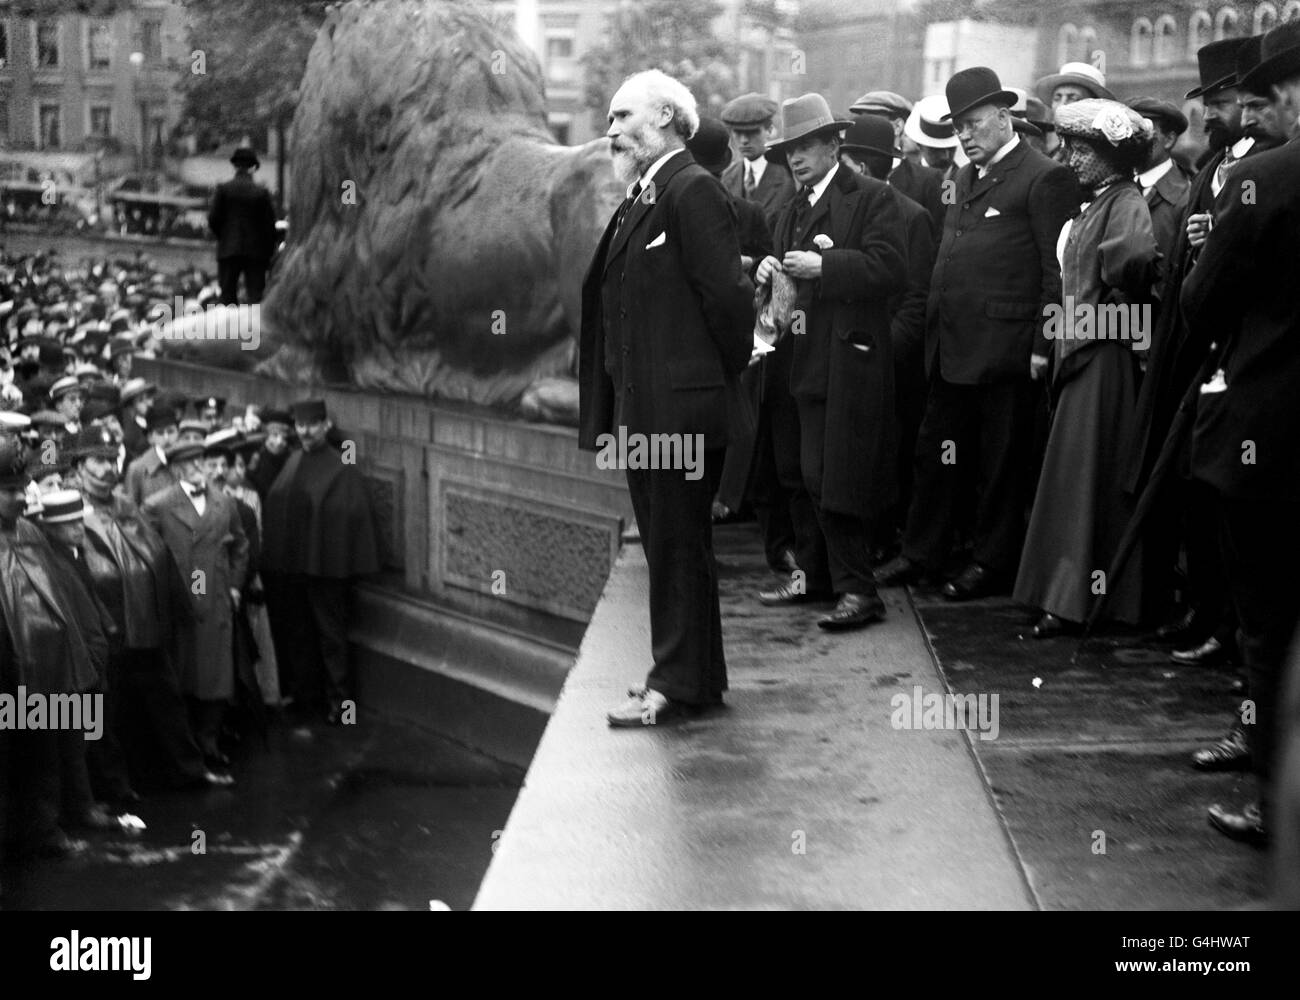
<point x="842" y="377"/>
<point x="1244" y="439"/>
<point x="924" y="185"/>
<point x="773" y="190"/>
<point x="243" y="219"/>
<point x="994" y="276"/>
<point x="667" y="328"/>
<point x="1167" y="201"/>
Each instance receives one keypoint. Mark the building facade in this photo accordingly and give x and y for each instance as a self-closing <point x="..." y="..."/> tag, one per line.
<point x="852" y="46"/>
<point x="80" y="83"/>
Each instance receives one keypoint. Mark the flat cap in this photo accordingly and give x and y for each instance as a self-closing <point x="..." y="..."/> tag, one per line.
<point x="882" y="102"/>
<point x="1163" y="113"/>
<point x="751" y="110"/>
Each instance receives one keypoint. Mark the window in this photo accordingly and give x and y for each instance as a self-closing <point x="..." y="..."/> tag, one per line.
<point x="47" y="44"/>
<point x="101" y="121"/>
<point x="4" y="44"/>
<point x="1165" y="31"/>
<point x="1265" y="18"/>
<point x="151" y="40"/>
<point x="561" y="66"/>
<point x="100" y="45"/>
<point x="1198" y="32"/>
<point x="1066" y="40"/>
<point x="1088" y="43"/>
<point x="1139" y="46"/>
<point x="1225" y="24"/>
<point x="49" y="130"/>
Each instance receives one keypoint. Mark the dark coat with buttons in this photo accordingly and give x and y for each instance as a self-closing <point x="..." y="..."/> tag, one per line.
<point x="995" y="275"/>
<point x="667" y="316"/>
<point x="845" y="354"/>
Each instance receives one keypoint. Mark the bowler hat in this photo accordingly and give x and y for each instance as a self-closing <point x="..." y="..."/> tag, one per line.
<point x="1080" y="74"/>
<point x="159" y="418"/>
<point x="870" y="135"/>
<point x="274" y="415"/>
<point x="244" y="156"/>
<point x="711" y="145"/>
<point x="1279" y="58"/>
<point x="1164" y="113"/>
<point x="308" y="411"/>
<point x="1217" y="65"/>
<point x="882" y="102"/>
<point x="805" y="116"/>
<point x="751" y="110"/>
<point x="928" y="124"/>
<point x="969" y="88"/>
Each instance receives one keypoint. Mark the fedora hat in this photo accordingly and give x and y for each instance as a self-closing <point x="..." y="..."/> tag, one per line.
<point x="805" y="116"/>
<point x="870" y="135"/>
<point x="1080" y="74"/>
<point x="972" y="87"/>
<point x="928" y="124"/>
<point x="1279" y="58"/>
<point x="711" y="145"/>
<point x="1217" y="65"/>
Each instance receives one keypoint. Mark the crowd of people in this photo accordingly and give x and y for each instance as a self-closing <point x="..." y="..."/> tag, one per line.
<point x="1034" y="353"/>
<point x="184" y="566"/>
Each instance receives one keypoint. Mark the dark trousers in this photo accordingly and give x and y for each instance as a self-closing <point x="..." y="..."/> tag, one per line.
<point x="673" y="517"/>
<point x="1190" y="520"/>
<point x="152" y="709"/>
<point x="1260" y="542"/>
<point x="835" y="548"/>
<point x="254" y="271"/>
<point x="770" y="498"/>
<point x="105" y="759"/>
<point x="49" y="785"/>
<point x="312" y="628"/>
<point x="992" y="426"/>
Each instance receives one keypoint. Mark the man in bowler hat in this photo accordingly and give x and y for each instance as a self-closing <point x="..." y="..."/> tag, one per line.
<point x="242" y="218"/>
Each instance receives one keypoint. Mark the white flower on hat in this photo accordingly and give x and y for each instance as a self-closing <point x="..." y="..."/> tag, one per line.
<point x="823" y="242"/>
<point x="1115" y="125"/>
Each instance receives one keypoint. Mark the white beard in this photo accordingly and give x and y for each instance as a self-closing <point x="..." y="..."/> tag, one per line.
<point x="646" y="147"/>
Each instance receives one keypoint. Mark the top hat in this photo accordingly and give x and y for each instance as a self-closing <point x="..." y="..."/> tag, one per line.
<point x="1080" y="74"/>
<point x="870" y="135"/>
<point x="1217" y="64"/>
<point x="273" y="415"/>
<point x="244" y="156"/>
<point x="805" y="116"/>
<point x="1279" y="58"/>
<point x="1161" y="112"/>
<point x="972" y="87"/>
<point x="711" y="145"/>
<point x="749" y="111"/>
<point x="882" y="102"/>
<point x="927" y="125"/>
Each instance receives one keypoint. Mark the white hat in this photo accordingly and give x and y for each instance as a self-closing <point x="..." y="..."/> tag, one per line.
<point x="926" y="126"/>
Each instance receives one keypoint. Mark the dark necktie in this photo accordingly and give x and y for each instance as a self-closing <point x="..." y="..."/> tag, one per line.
<point x="749" y="179"/>
<point x="627" y="206"/>
<point x="802" y="208"/>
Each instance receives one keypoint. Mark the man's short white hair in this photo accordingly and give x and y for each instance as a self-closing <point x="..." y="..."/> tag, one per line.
<point x="662" y="90"/>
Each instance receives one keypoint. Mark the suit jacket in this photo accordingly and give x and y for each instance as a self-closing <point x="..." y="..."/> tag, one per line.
<point x="995" y="275"/>
<point x="1252" y="247"/>
<point x="216" y="547"/>
<point x="774" y="188"/>
<point x="1168" y="202"/>
<point x="146" y="476"/>
<point x="667" y="316"/>
<point x="924" y="185"/>
<point x="134" y="437"/>
<point x="242" y="217"/>
<point x="907" y="326"/>
<point x="848" y="306"/>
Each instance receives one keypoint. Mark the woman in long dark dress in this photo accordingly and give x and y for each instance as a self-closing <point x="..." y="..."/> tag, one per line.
<point x="1108" y="259"/>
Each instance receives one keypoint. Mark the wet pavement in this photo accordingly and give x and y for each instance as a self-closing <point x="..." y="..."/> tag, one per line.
<point x="374" y="816"/>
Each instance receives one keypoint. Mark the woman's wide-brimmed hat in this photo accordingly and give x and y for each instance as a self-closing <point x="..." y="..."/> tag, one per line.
<point x="1108" y="124"/>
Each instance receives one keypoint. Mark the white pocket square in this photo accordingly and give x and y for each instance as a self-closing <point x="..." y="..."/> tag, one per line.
<point x="991" y="213"/>
<point x="658" y="241"/>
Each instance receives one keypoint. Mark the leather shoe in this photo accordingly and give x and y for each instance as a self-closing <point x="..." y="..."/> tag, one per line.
<point x="854" y="611"/>
<point x="974" y="582"/>
<point x="1231" y="753"/>
<point x="649" y="709"/>
<point x="1182" y="632"/>
<point x="791" y="592"/>
<point x="1210" y="653"/>
<point x="1050" y="626"/>
<point x="1246" y="826"/>
<point x="899" y="572"/>
<point x="216" y="780"/>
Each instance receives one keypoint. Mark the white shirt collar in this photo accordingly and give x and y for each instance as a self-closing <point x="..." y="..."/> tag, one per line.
<point x="1149" y="178"/>
<point x="1000" y="154"/>
<point x="756" y="167"/>
<point x="162" y="456"/>
<point x="648" y="176"/>
<point x="1241" y="147"/>
<point x="822" y="185"/>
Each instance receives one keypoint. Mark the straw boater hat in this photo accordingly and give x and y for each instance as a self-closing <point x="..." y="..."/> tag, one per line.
<point x="927" y="125"/>
<point x="62" y="507"/>
<point x="1080" y="74"/>
<point x="805" y="116"/>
